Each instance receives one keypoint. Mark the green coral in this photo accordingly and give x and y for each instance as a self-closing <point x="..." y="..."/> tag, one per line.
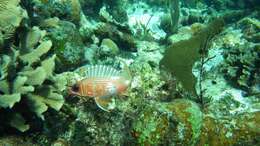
<point x="11" y="15"/>
<point x="9" y="100"/>
<point x="28" y="76"/>
<point x="18" y="122"/>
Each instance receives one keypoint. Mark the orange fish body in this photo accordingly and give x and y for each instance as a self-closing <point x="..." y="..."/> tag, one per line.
<point x="102" y="83"/>
<point x="99" y="87"/>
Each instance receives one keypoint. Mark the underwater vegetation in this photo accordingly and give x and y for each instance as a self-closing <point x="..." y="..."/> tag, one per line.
<point x="129" y="72"/>
<point x="180" y="57"/>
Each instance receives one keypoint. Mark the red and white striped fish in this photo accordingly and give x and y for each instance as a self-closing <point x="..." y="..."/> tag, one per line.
<point x="102" y="83"/>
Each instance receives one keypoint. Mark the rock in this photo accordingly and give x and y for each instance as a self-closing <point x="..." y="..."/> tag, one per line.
<point x="184" y="33"/>
<point x="240" y="130"/>
<point x="16" y="141"/>
<point x="109" y="47"/>
<point x="179" y="122"/>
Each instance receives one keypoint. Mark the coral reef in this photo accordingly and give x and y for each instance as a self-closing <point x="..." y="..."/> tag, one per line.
<point x="251" y="28"/>
<point x="241" y="54"/>
<point x="195" y="81"/>
<point x="241" y="66"/>
<point x="117" y="8"/>
<point x="28" y="80"/>
<point x="233" y="4"/>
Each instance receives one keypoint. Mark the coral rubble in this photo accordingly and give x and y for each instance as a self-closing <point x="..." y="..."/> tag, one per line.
<point x="194" y="67"/>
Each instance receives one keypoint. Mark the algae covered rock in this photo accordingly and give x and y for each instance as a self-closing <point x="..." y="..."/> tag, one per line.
<point x="181" y="122"/>
<point x="121" y="35"/>
<point x="178" y="122"/>
<point x="15" y="141"/>
<point x="68" y="44"/>
<point x="32" y="83"/>
<point x="109" y="47"/>
<point x="151" y="127"/>
<point x="65" y="10"/>
<point x="228" y="131"/>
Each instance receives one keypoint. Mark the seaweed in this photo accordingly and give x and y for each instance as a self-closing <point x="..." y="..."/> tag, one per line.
<point x="180" y="57"/>
<point x="169" y="22"/>
<point x="175" y="14"/>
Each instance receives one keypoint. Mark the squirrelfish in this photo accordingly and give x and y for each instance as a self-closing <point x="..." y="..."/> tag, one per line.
<point x="102" y="83"/>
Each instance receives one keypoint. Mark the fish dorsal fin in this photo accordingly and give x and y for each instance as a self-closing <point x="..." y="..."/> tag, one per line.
<point x="101" y="71"/>
<point x="106" y="103"/>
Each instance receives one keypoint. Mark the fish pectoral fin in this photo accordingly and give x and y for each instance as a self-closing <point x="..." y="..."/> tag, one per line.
<point x="106" y="104"/>
<point x="125" y="94"/>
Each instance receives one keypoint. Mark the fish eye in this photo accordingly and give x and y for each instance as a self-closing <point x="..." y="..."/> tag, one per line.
<point x="75" y="87"/>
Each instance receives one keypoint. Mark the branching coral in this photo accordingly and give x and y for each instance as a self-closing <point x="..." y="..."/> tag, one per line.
<point x="241" y="56"/>
<point x="241" y="66"/>
<point x="27" y="80"/>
